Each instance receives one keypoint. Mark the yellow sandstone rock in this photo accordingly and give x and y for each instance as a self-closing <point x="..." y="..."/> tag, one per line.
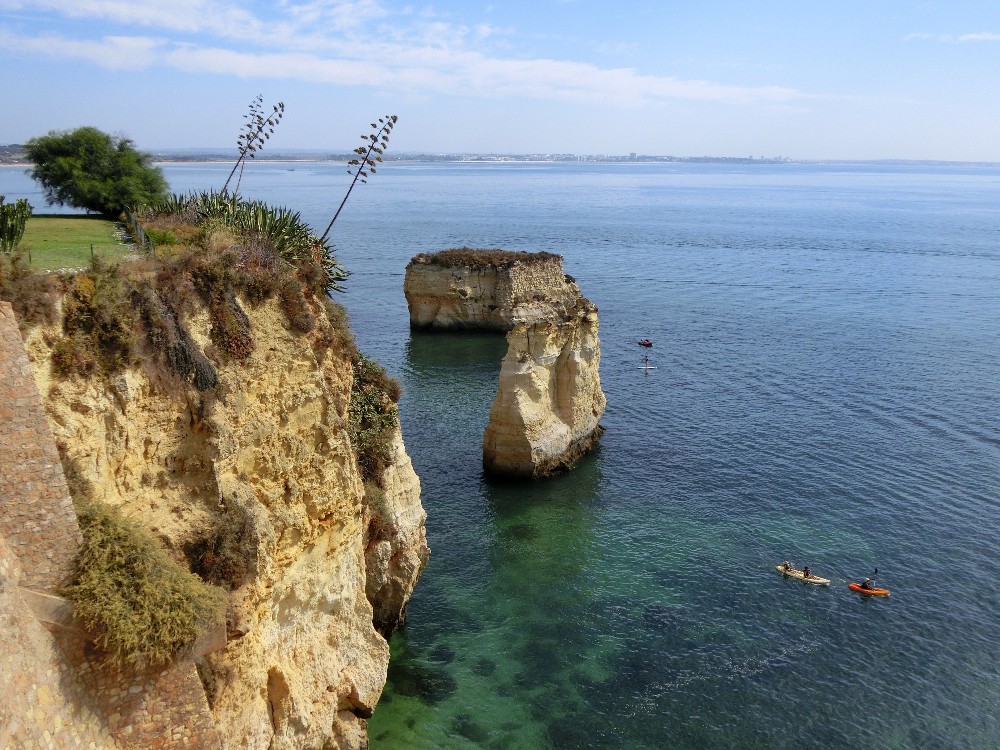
<point x="271" y="457"/>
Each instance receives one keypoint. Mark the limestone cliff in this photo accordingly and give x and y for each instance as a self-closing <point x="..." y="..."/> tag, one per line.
<point x="258" y="477"/>
<point x="549" y="402"/>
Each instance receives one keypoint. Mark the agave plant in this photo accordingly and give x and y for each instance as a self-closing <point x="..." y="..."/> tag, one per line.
<point x="284" y="229"/>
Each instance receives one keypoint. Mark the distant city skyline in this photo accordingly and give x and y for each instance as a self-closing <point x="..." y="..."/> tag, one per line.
<point x="898" y="79"/>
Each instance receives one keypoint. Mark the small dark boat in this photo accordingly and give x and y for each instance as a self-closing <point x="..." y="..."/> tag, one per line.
<point x="646" y="343"/>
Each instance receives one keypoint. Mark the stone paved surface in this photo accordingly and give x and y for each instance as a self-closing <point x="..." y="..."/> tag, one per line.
<point x="55" y="690"/>
<point x="36" y="513"/>
<point x="44" y="703"/>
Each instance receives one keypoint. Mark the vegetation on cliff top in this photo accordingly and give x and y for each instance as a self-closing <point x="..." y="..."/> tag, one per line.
<point x="218" y="251"/>
<point x="467" y="257"/>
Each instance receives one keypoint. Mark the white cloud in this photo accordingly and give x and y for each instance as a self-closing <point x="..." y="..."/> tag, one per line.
<point x="178" y="15"/>
<point x="351" y="42"/>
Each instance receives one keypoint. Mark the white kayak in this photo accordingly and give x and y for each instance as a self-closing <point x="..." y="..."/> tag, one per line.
<point x="802" y="576"/>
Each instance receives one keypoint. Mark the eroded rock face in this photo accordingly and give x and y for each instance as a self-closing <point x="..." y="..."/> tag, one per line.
<point x="485" y="297"/>
<point x="397" y="550"/>
<point x="549" y="404"/>
<point x="271" y="461"/>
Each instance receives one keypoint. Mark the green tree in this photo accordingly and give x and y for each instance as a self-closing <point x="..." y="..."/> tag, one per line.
<point x="89" y="169"/>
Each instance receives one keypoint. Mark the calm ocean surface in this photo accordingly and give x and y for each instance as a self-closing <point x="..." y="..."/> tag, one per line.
<point x="827" y="391"/>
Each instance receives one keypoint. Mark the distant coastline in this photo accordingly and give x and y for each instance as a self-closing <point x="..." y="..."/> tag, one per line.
<point x="13" y="155"/>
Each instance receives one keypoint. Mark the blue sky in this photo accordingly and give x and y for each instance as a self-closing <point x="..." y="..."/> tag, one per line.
<point x="841" y="79"/>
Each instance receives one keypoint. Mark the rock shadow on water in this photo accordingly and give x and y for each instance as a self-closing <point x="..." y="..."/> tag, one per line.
<point x="429" y="684"/>
<point x="442" y="654"/>
<point x="522" y="532"/>
<point x="484" y="667"/>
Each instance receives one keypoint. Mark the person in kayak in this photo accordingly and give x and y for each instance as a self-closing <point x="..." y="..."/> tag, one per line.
<point x="867" y="584"/>
<point x="787" y="566"/>
<point x="806" y="573"/>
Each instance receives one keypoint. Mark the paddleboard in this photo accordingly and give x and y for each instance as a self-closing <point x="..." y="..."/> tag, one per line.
<point x="867" y="592"/>
<point x="801" y="576"/>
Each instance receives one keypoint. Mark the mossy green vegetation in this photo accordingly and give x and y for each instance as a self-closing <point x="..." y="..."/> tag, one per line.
<point x="373" y="416"/>
<point x="467" y="257"/>
<point x="141" y="606"/>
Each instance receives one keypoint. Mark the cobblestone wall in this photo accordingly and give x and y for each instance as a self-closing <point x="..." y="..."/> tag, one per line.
<point x="36" y="513"/>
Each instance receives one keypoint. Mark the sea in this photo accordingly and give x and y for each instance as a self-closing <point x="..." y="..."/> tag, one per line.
<point x="824" y="389"/>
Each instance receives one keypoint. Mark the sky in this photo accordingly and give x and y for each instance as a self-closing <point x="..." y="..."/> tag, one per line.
<point x="803" y="79"/>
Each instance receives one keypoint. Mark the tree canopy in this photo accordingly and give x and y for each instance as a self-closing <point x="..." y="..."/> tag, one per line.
<point x="90" y="169"/>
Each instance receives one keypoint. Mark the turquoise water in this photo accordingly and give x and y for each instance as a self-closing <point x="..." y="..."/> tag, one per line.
<point x="827" y="391"/>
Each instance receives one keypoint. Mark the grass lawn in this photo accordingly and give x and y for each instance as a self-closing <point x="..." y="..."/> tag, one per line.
<point x="55" y="241"/>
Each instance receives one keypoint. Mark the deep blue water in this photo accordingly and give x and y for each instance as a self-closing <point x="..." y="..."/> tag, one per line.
<point x="827" y="391"/>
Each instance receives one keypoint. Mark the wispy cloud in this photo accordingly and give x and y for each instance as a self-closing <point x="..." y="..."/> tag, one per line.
<point x="982" y="36"/>
<point x="109" y="52"/>
<point x="348" y="42"/>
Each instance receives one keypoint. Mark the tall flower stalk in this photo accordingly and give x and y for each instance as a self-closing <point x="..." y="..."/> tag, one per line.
<point x="256" y="131"/>
<point x="371" y="153"/>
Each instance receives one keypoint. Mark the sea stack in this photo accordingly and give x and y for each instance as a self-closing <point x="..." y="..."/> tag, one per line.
<point x="549" y="402"/>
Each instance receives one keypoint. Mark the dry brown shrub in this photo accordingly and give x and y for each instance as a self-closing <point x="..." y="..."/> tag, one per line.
<point x="33" y="295"/>
<point x="467" y="257"/>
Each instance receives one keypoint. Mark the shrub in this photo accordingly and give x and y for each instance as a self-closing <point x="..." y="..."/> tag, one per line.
<point x="295" y="306"/>
<point x="230" y="330"/>
<point x="373" y="416"/>
<point x="141" y="607"/>
<point x="74" y="355"/>
<point x="260" y="272"/>
<point x="379" y="520"/>
<point x="99" y="315"/>
<point x="32" y="295"/>
<point x="337" y="336"/>
<point x="170" y="341"/>
<point x="227" y="555"/>
<point x="160" y="236"/>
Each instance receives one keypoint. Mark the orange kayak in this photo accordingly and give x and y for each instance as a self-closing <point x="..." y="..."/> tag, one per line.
<point x="867" y="592"/>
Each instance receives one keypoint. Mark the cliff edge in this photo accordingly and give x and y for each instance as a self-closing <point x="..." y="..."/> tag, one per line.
<point x="224" y="428"/>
